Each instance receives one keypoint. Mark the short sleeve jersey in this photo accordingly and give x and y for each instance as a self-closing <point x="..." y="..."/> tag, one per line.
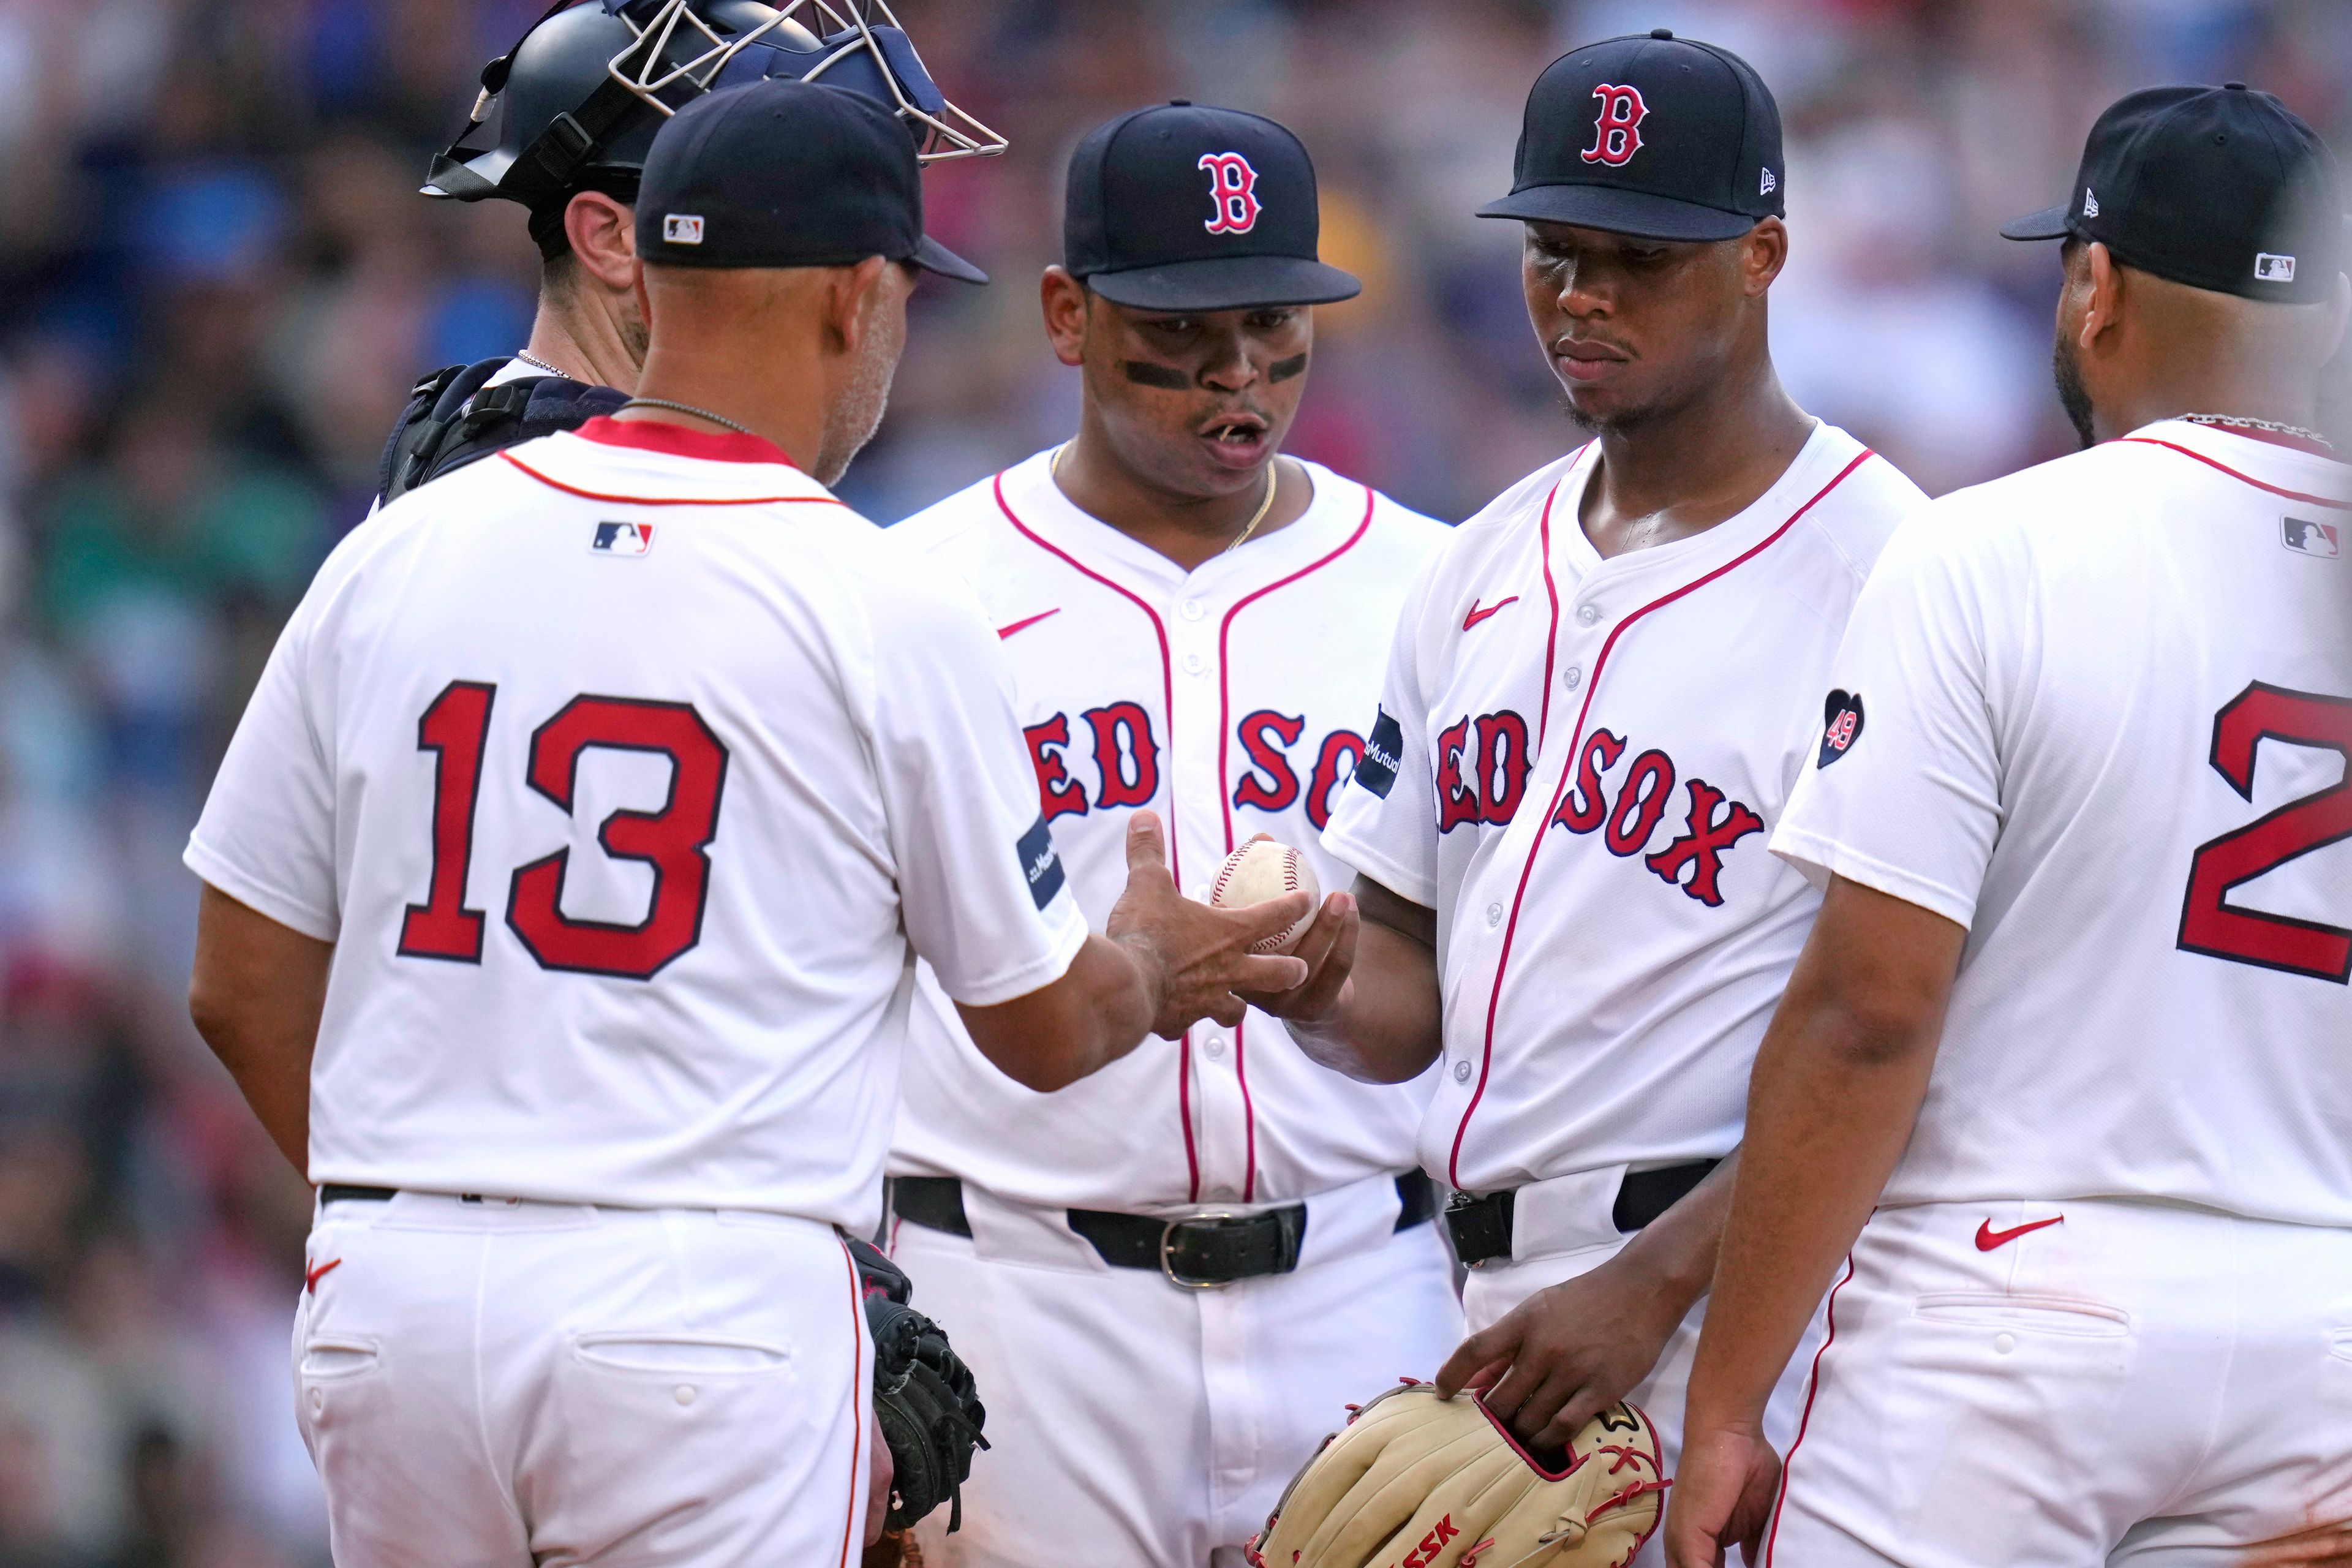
<point x="2099" y="713"/>
<point x="1575" y="764"/>
<point x="1231" y="700"/>
<point x="624" y="769"/>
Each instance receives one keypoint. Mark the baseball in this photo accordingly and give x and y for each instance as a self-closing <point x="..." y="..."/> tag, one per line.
<point x="1263" y="869"/>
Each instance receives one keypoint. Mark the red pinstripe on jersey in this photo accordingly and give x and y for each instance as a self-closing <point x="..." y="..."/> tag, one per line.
<point x="2212" y="463"/>
<point x="663" y="435"/>
<point x="1576" y="737"/>
<point x="555" y="484"/>
<point x="1168" y="717"/>
<point x="1224" y="739"/>
<point x="1551" y="595"/>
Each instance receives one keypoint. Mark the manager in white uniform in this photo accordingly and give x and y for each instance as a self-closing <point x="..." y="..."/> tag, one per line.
<point x="1172" y="1279"/>
<point x="2082" y="812"/>
<point x="561" y="880"/>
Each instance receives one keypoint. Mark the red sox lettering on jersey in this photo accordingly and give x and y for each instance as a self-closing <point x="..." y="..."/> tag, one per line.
<point x="1233" y="187"/>
<point x="1231" y="700"/>
<point x="1589" y="753"/>
<point x="1617" y="134"/>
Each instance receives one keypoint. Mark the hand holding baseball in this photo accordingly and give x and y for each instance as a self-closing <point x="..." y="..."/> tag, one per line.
<point x="1198" y="957"/>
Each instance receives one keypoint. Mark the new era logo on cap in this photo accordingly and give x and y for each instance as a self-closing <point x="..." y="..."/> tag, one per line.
<point x="682" y="228"/>
<point x="2274" y="268"/>
<point x="2090" y="202"/>
<point x="622" y="539"/>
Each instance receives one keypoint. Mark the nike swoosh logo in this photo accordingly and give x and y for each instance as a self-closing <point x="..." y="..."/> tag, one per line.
<point x="1988" y="1239"/>
<point x="1004" y="632"/>
<point x="1477" y="614"/>
<point x="310" y="1277"/>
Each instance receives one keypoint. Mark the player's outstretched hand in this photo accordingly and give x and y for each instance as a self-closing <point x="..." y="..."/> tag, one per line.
<point x="1198" y="958"/>
<point x="1328" y="951"/>
<point x="1722" y="1498"/>
<point x="1550" y="1363"/>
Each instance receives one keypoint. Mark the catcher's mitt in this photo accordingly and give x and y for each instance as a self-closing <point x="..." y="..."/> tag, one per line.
<point x="925" y="1404"/>
<point x="1417" y="1481"/>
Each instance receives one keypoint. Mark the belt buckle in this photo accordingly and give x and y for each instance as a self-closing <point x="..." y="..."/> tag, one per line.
<point x="1168" y="1242"/>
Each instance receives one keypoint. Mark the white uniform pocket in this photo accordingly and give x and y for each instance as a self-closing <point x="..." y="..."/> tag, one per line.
<point x="666" y="1352"/>
<point x="2032" y="1314"/>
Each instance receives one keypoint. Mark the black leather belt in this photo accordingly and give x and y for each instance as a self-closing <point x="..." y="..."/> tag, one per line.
<point x="1200" y="1253"/>
<point x="1481" y="1226"/>
<point x="344" y="1193"/>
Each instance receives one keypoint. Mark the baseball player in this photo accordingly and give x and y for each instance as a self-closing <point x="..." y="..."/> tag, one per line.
<point x="1600" y="696"/>
<point x="1172" y="1277"/>
<point x="561" y="882"/>
<point x="2074" y="1016"/>
<point x="561" y="127"/>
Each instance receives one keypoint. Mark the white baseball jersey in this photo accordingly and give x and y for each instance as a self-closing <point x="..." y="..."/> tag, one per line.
<point x="2098" y="713"/>
<point x="1575" y="765"/>
<point x="1230" y="700"/>
<point x="623" y="769"/>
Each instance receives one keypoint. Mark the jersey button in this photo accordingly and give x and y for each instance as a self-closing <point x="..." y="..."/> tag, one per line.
<point x="1462" y="1071"/>
<point x="1588" y="614"/>
<point x="1215" y="1047"/>
<point x="1574" y="677"/>
<point x="1194" y="664"/>
<point x="1191" y="609"/>
<point x="1494" y="914"/>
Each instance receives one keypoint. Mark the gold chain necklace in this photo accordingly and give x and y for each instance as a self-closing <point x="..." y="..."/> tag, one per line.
<point x="1054" y="472"/>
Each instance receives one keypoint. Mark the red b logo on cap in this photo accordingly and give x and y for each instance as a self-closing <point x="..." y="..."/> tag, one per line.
<point x="1617" y="134"/>
<point x="1233" y="185"/>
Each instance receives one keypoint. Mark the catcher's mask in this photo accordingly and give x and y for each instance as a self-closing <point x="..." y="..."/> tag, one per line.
<point x="575" y="104"/>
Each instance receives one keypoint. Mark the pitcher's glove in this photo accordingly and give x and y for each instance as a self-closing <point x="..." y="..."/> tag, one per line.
<point x="925" y="1404"/>
<point x="1422" y="1482"/>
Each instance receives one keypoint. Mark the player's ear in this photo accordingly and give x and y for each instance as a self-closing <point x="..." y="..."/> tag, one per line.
<point x="2103" y="301"/>
<point x="602" y="235"/>
<point x="1763" y="251"/>
<point x="2340" y="315"/>
<point x="1064" y="300"/>
<point x="853" y="298"/>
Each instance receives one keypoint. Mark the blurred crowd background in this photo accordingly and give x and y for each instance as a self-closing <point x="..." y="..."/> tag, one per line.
<point x="217" y="283"/>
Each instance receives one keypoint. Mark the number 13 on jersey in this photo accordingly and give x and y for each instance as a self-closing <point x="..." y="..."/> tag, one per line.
<point x="672" y="841"/>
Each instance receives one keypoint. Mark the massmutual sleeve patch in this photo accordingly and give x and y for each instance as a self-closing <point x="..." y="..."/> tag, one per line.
<point x="1040" y="864"/>
<point x="1841" y="725"/>
<point x="1376" y="770"/>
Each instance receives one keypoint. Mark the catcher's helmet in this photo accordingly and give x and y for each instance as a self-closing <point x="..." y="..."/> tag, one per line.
<point x="575" y="104"/>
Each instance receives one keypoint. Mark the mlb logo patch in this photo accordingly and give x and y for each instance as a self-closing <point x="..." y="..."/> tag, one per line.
<point x="622" y="539"/>
<point x="682" y="228"/>
<point x="2324" y="540"/>
<point x="2271" y="268"/>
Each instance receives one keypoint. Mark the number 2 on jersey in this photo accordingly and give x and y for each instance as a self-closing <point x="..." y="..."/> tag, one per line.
<point x="672" y="841"/>
<point x="2211" y="926"/>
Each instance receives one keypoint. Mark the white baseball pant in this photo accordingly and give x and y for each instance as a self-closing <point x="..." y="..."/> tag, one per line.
<point x="2134" y="1382"/>
<point x="508" y="1384"/>
<point x="1563" y="1228"/>
<point x="1137" y="1423"/>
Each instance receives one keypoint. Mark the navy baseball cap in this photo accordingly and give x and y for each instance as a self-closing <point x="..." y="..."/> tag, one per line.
<point x="1651" y="135"/>
<point x="1185" y="207"/>
<point x="2216" y="187"/>
<point x="786" y="173"/>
